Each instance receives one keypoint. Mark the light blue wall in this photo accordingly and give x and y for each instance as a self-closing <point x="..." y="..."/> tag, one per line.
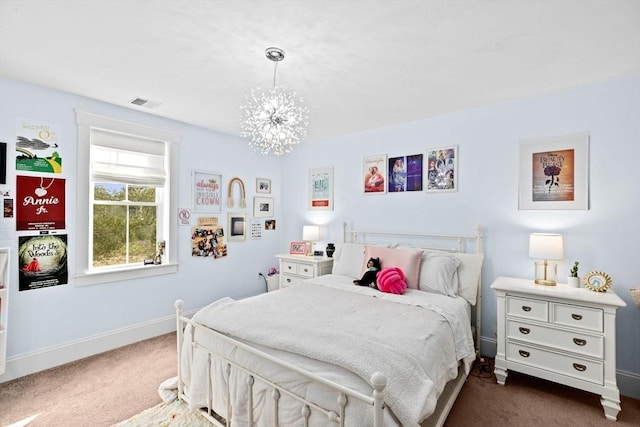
<point x="50" y="317"/>
<point x="606" y="237"/>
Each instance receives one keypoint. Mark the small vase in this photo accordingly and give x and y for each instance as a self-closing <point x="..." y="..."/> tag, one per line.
<point x="331" y="248"/>
<point x="573" y="282"/>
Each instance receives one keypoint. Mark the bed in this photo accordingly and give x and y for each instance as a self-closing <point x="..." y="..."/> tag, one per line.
<point x="327" y="353"/>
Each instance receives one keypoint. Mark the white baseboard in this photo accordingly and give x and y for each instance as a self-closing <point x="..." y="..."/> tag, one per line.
<point x="628" y="382"/>
<point x="29" y="363"/>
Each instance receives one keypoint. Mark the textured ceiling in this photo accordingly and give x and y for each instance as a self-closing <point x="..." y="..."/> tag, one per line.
<point x="357" y="64"/>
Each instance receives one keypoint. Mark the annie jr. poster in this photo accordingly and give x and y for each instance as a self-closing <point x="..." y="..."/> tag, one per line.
<point x="40" y="203"/>
<point x="42" y="261"/>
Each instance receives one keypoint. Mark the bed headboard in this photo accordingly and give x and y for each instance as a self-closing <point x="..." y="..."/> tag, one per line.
<point x="471" y="243"/>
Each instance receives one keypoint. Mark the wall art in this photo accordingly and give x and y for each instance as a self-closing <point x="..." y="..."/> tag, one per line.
<point x="40" y="203"/>
<point x="263" y="207"/>
<point x="321" y="189"/>
<point x="554" y="172"/>
<point x="237" y="227"/>
<point x="442" y="169"/>
<point x="38" y="147"/>
<point x="206" y="191"/>
<point x="405" y="173"/>
<point x="42" y="261"/>
<point x="374" y="174"/>
<point x="263" y="185"/>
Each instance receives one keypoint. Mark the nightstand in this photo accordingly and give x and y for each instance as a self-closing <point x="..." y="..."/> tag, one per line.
<point x="559" y="333"/>
<point x="295" y="268"/>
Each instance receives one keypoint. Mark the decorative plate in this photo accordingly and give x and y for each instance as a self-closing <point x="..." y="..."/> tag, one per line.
<point x="597" y="281"/>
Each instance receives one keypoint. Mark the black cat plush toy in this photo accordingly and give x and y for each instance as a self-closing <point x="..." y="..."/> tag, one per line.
<point x="369" y="277"/>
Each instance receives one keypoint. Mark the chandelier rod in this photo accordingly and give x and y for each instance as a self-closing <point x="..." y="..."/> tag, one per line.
<point x="275" y="70"/>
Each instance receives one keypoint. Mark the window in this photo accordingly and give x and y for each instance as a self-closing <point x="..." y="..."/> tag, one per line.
<point x="125" y="203"/>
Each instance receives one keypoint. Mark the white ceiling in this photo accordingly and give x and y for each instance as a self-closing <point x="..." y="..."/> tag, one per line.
<point x="358" y="64"/>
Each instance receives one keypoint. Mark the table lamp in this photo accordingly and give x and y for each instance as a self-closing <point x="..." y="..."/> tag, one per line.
<point x="310" y="234"/>
<point x="546" y="246"/>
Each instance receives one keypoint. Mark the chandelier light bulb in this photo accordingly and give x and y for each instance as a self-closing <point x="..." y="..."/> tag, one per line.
<point x="274" y="120"/>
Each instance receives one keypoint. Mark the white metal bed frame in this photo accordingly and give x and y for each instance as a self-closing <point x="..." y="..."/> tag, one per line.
<point x="377" y="381"/>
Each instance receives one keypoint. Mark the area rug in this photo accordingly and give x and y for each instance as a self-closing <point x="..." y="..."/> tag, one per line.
<point x="170" y="414"/>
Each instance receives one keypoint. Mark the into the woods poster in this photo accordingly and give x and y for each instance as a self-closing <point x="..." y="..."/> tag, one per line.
<point x="42" y="261"/>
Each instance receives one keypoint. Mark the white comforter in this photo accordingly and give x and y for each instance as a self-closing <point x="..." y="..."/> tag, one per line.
<point x="415" y="339"/>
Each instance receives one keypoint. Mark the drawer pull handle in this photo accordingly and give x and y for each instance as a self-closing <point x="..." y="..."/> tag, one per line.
<point x="288" y="280"/>
<point x="526" y="308"/>
<point x="526" y="354"/>
<point x="576" y="316"/>
<point x="289" y="267"/>
<point x="306" y="270"/>
<point x="579" y="367"/>
<point x="524" y="330"/>
<point x="580" y="342"/>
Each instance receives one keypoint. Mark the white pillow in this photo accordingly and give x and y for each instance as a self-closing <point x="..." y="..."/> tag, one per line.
<point x="437" y="273"/>
<point x="469" y="272"/>
<point x="347" y="260"/>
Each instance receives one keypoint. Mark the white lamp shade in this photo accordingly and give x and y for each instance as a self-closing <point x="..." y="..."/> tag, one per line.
<point x="546" y="246"/>
<point x="310" y="233"/>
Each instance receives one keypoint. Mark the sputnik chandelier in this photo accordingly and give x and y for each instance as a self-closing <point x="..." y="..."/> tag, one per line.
<point x="274" y="120"/>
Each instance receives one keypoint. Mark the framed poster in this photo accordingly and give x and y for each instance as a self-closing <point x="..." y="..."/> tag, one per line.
<point x="206" y="191"/>
<point x="374" y="174"/>
<point x="405" y="173"/>
<point x="237" y="227"/>
<point x="263" y="207"/>
<point x="40" y="203"/>
<point x="321" y="189"/>
<point x="38" y="146"/>
<point x="442" y="169"/>
<point x="554" y="173"/>
<point x="42" y="261"/>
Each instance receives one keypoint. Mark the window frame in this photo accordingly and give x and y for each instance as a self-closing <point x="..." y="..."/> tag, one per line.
<point x="85" y="273"/>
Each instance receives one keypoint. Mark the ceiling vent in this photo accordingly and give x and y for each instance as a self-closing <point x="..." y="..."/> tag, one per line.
<point x="140" y="102"/>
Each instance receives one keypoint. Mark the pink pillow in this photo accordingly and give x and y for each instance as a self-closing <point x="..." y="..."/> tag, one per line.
<point x="391" y="280"/>
<point x="408" y="260"/>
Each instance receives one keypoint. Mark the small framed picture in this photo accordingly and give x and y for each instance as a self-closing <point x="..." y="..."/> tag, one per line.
<point x="237" y="227"/>
<point x="321" y="189"/>
<point x="298" y="248"/>
<point x="374" y="174"/>
<point x="263" y="185"/>
<point x="442" y="169"/>
<point x="263" y="207"/>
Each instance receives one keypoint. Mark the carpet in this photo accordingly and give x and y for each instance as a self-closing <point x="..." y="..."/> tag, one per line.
<point x="171" y="414"/>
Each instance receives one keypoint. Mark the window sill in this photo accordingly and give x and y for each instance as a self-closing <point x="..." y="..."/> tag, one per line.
<point x="130" y="273"/>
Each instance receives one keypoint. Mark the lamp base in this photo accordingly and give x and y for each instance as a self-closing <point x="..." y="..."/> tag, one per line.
<point x="545" y="282"/>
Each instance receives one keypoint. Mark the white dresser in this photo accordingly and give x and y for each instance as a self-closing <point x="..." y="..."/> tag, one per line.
<point x="295" y="268"/>
<point x="559" y="333"/>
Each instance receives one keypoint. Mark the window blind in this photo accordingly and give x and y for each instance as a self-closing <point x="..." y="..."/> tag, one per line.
<point x="127" y="159"/>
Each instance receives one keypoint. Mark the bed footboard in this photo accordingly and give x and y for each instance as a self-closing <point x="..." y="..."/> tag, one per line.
<point x="343" y="394"/>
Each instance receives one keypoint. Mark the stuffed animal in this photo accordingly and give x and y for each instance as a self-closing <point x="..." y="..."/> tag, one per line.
<point x="392" y="280"/>
<point x="369" y="276"/>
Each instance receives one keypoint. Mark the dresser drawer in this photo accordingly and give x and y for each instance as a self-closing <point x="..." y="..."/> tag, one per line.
<point x="289" y="267"/>
<point x="571" y="366"/>
<point x="305" y="270"/>
<point x="588" y="318"/>
<point x="290" y="280"/>
<point x="528" y="308"/>
<point x="584" y="344"/>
